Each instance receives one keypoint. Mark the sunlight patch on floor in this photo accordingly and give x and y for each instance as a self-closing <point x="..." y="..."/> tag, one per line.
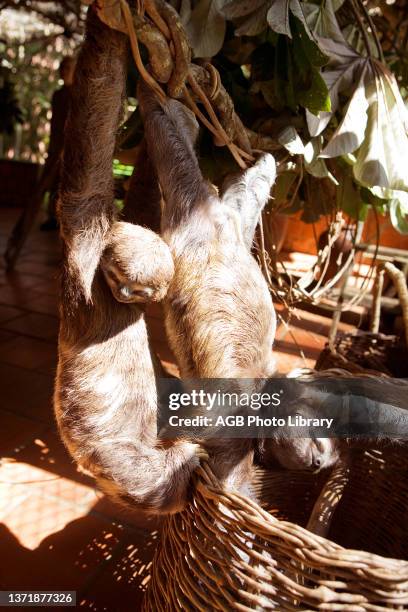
<point x="50" y="501"/>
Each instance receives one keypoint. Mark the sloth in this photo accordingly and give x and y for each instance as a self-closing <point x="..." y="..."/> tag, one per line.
<point x="220" y="318"/>
<point x="105" y="392"/>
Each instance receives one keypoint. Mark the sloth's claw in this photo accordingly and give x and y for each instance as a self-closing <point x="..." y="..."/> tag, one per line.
<point x="201" y="453"/>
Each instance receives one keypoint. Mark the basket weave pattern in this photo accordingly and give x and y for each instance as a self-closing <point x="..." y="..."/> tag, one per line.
<point x="225" y="552"/>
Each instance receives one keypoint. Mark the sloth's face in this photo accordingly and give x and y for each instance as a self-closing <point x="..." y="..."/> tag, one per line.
<point x="137" y="264"/>
<point x="124" y="289"/>
<point x="307" y="453"/>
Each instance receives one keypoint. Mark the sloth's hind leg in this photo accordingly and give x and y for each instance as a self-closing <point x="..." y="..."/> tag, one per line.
<point x="249" y="192"/>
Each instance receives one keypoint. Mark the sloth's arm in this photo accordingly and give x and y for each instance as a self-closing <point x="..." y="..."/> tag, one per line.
<point x="170" y="132"/>
<point x="86" y="206"/>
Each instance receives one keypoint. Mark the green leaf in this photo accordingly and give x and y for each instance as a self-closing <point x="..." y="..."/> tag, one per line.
<point x="206" y="28"/>
<point x="262" y="62"/>
<point x="348" y="198"/>
<point x="317" y="203"/>
<point x="297" y="11"/>
<point x="268" y="90"/>
<point x="282" y="187"/>
<point x="382" y="158"/>
<point x="315" y="166"/>
<point x="369" y="197"/>
<point x="241" y="8"/>
<point x="278" y="16"/>
<point x="311" y="90"/>
<point x="249" y="16"/>
<point x="291" y="140"/>
<point x="238" y="51"/>
<point x="254" y="24"/>
<point x="310" y="48"/>
<point x="399" y="213"/>
<point x="322" y="21"/>
<point x="337" y="79"/>
<point x="316" y="98"/>
<point x="184" y="11"/>
<point x="351" y="132"/>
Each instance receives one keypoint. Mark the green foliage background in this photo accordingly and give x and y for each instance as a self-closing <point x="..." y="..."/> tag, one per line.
<point x="325" y="80"/>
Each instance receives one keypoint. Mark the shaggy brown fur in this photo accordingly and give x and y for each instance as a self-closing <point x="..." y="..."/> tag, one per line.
<point x="219" y="313"/>
<point x="105" y="393"/>
<point x="142" y="201"/>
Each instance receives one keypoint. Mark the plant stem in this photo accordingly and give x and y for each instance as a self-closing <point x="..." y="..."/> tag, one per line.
<point x="376" y="309"/>
<point x="361" y="27"/>
<point x="373" y="30"/>
<point x="398" y="278"/>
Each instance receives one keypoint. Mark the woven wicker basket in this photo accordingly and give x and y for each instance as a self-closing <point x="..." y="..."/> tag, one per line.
<point x="366" y="352"/>
<point x="226" y="552"/>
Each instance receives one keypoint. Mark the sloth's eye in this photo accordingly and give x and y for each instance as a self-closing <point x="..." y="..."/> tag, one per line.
<point x="143" y="293"/>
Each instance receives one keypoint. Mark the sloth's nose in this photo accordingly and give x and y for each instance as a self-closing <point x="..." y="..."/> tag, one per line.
<point x="317" y="462"/>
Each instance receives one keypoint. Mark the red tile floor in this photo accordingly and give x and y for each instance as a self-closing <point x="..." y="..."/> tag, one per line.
<point x="56" y="530"/>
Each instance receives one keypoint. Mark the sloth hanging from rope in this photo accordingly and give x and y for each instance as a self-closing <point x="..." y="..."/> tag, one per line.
<point x="220" y="318"/>
<point x="105" y="394"/>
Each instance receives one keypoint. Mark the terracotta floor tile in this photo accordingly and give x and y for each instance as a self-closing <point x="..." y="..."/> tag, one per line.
<point x="121" y="585"/>
<point x="49" y="287"/>
<point x="18" y="478"/>
<point x="34" y="324"/>
<point x="34" y="269"/>
<point x="9" y="312"/>
<point x="14" y="296"/>
<point x="46" y="543"/>
<point x="48" y="257"/>
<point x="21" y="282"/>
<point x="309" y="340"/>
<point x="296" y="339"/>
<point x="310" y="353"/>
<point x="29" y="353"/>
<point x="5" y="335"/>
<point x="45" y="303"/>
<point x="47" y="452"/>
<point x="26" y="393"/>
<point x="314" y="323"/>
<point x="287" y="362"/>
<point x="15" y="431"/>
